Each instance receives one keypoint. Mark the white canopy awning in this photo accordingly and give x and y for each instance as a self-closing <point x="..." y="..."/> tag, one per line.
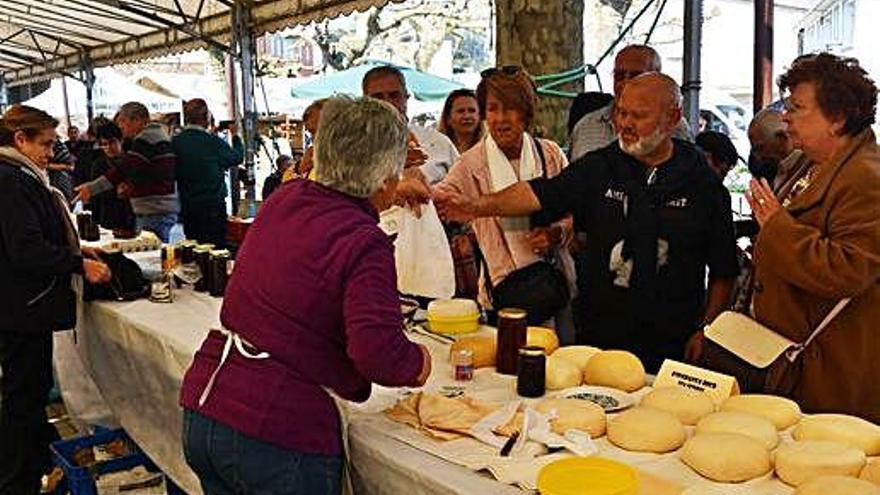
<point x="42" y="38"/>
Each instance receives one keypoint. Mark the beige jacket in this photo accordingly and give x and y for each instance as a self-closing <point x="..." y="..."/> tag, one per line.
<point x="824" y="248"/>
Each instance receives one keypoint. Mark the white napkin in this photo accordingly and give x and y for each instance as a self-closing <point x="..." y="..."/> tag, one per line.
<point x="422" y="255"/>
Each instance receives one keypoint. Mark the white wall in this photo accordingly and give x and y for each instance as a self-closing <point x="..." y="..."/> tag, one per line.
<point x="728" y="40"/>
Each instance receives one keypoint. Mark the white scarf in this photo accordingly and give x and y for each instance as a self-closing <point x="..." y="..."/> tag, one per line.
<point x="15" y="157"/>
<point x="501" y="175"/>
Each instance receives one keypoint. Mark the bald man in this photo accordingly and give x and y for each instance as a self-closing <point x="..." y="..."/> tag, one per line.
<point x="773" y="155"/>
<point x="655" y="217"/>
<point x="595" y="129"/>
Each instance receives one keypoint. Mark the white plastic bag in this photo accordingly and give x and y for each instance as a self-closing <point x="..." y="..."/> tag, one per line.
<point x="422" y="254"/>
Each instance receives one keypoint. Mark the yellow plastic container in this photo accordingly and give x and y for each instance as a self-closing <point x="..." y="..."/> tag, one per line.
<point x="454" y="325"/>
<point x="453" y="316"/>
<point x="587" y="476"/>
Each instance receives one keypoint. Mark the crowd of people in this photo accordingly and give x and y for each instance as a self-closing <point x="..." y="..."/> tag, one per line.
<point x="625" y="241"/>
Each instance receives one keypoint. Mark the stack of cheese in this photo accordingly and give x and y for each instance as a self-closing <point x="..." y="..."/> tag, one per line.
<point x="735" y="444"/>
<point x="578" y="364"/>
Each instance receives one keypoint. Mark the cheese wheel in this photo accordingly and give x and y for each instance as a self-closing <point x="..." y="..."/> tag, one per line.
<point x="841" y="428"/>
<point x="726" y="457"/>
<point x="837" y="485"/>
<point x="578" y="354"/>
<point x="871" y="472"/>
<point x="644" y="429"/>
<point x="687" y="405"/>
<point x="756" y="427"/>
<point x="799" y="462"/>
<point x="543" y="337"/>
<point x="574" y="414"/>
<point x="780" y="411"/>
<point x="484" y="349"/>
<point x="560" y="374"/>
<point x="617" y="369"/>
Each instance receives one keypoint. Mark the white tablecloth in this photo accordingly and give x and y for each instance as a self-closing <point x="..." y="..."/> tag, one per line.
<point x="137" y="352"/>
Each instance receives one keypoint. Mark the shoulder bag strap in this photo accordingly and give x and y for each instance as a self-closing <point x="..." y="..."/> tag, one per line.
<point x="540" y="150"/>
<point x="796" y="350"/>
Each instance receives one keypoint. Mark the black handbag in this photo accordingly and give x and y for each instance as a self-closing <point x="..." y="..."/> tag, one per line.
<point x="540" y="288"/>
<point x="127" y="281"/>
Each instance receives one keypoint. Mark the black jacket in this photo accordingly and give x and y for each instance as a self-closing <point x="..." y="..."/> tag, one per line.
<point x="36" y="260"/>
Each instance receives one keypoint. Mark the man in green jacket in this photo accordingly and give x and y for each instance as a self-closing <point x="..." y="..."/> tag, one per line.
<point x="202" y="161"/>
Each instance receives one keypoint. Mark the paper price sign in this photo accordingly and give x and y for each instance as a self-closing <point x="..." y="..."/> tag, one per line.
<point x="675" y="374"/>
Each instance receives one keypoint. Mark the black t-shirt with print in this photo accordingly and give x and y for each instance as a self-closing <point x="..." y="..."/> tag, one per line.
<point x="620" y="204"/>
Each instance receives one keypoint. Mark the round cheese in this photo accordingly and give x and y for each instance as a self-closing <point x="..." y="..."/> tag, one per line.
<point x="799" y="462"/>
<point x="574" y="414"/>
<point x="560" y="374"/>
<point x="840" y="428"/>
<point x="644" y="429"/>
<point x="543" y="337"/>
<point x="726" y="457"/>
<point x="837" y="485"/>
<point x="780" y="411"/>
<point x="756" y="427"/>
<point x="688" y="406"/>
<point x="871" y="472"/>
<point x="617" y="369"/>
<point x="578" y="354"/>
<point x="483" y="349"/>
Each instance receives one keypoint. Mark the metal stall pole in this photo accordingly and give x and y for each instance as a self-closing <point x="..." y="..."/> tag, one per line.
<point x="4" y="94"/>
<point x="65" y="100"/>
<point x="235" y="115"/>
<point x="693" y="39"/>
<point x="88" y="71"/>
<point x="250" y="134"/>
<point x="763" y="66"/>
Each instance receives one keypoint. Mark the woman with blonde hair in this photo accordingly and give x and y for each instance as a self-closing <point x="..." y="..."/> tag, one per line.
<point x="461" y="121"/>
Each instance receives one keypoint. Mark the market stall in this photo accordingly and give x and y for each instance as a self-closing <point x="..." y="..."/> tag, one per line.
<point x="137" y="353"/>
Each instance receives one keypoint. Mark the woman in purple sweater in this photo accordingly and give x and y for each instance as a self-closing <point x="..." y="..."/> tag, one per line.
<point x="311" y="312"/>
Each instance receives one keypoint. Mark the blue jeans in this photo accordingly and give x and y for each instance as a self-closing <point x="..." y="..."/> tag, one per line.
<point x="229" y="463"/>
<point x="160" y="225"/>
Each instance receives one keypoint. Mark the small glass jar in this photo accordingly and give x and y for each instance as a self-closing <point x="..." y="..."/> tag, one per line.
<point x="530" y="372"/>
<point x="463" y="365"/>
<point x="219" y="272"/>
<point x="512" y="332"/>
<point x="202" y="258"/>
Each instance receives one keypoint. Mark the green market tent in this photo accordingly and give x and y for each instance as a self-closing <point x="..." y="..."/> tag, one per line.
<point x="425" y="87"/>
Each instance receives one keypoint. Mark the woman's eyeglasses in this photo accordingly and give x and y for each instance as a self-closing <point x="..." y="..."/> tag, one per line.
<point x="506" y="70"/>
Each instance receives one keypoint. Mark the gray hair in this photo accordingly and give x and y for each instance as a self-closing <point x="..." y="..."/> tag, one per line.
<point x="361" y="143"/>
<point x="381" y="71"/>
<point x="133" y="110"/>
<point x="767" y="124"/>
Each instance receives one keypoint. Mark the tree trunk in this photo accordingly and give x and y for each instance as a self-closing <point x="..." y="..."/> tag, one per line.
<point x="545" y="37"/>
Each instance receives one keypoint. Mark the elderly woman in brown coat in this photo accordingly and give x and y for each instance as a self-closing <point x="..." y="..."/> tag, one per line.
<point x="821" y="243"/>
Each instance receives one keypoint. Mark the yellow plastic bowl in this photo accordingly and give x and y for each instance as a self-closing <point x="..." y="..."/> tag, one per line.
<point x="447" y="325"/>
<point x="587" y="476"/>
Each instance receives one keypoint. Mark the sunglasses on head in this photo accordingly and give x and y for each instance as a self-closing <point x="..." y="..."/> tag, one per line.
<point x="506" y="70"/>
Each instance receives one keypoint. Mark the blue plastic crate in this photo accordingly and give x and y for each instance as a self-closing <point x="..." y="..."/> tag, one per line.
<point x="81" y="480"/>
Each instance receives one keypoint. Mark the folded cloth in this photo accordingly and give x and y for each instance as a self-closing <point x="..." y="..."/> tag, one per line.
<point x="446" y="418"/>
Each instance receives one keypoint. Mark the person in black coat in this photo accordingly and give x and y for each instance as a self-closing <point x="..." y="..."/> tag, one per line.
<point x="39" y="257"/>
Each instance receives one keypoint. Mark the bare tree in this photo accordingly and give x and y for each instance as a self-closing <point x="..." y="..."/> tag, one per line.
<point x="426" y="22"/>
